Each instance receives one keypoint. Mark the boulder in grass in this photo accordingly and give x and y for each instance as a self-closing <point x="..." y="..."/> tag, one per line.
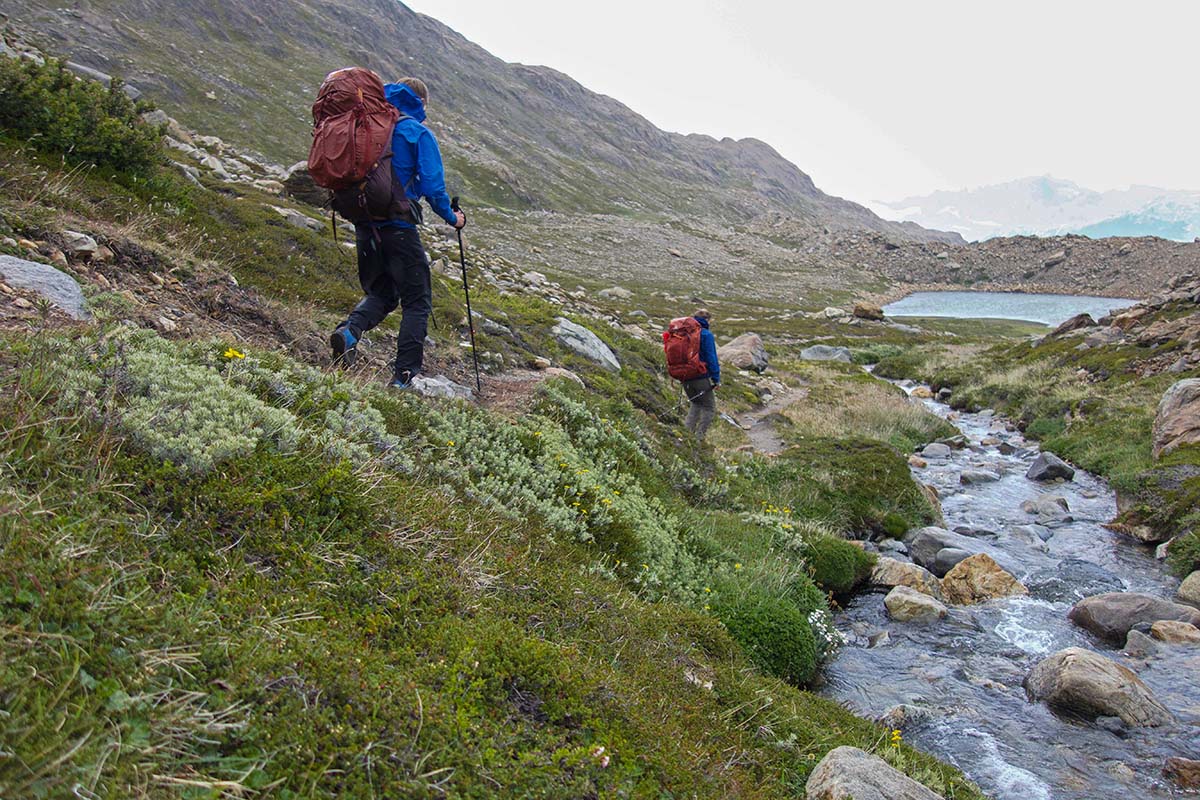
<point x="1113" y="614"/>
<point x="744" y="352"/>
<point x="868" y="311"/>
<point x="56" y="286"/>
<point x="1048" y="467"/>
<point x="1177" y="421"/>
<point x="1079" y="681"/>
<point x="847" y="773"/>
<point x="580" y="340"/>
<point x="823" y="352"/>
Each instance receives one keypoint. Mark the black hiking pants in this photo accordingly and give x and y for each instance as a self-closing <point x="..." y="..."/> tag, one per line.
<point x="393" y="270"/>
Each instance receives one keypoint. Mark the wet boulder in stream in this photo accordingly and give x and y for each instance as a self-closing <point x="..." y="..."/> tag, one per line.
<point x="978" y="579"/>
<point x="1079" y="681"/>
<point x="1112" y="615"/>
<point x="1049" y="467"/>
<point x="926" y="544"/>
<point x="1189" y="590"/>
<point x="891" y="572"/>
<point x="909" y="605"/>
<point x="1049" y="508"/>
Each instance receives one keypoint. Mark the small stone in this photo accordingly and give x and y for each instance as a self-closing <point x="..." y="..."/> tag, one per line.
<point x="167" y="325"/>
<point x="918" y="462"/>
<point x="1175" y="632"/>
<point x="26" y="244"/>
<point x="936" y="450"/>
<point x="1048" y="467"/>
<point x="1183" y="772"/>
<point x="922" y="393"/>
<point x="21" y="302"/>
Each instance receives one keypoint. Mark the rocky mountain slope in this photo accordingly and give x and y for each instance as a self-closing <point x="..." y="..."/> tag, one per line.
<point x="515" y="136"/>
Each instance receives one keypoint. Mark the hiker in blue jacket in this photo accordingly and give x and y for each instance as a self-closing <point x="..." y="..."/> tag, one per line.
<point x="392" y="266"/>
<point x="701" y="392"/>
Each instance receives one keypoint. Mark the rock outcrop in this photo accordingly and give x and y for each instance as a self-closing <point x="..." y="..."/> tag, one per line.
<point x="1178" y="419"/>
<point x="581" y="341"/>
<point x="823" y="352"/>
<point x="1079" y="681"/>
<point x="1112" y="615"/>
<point x="847" y="773"/>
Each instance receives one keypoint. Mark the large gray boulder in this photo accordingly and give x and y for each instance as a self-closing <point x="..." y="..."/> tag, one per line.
<point x="1079" y="681"/>
<point x="1048" y="467"/>
<point x="581" y="341"/>
<point x="823" y="352"/>
<point x="440" y="386"/>
<point x="1178" y="419"/>
<point x="847" y="773"/>
<point x="925" y="545"/>
<point x="744" y="352"/>
<point x="909" y="605"/>
<point x="1111" y="615"/>
<point x="56" y="286"/>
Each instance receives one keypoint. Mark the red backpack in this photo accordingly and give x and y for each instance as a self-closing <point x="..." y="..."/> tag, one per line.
<point x="681" y="343"/>
<point x="351" y="153"/>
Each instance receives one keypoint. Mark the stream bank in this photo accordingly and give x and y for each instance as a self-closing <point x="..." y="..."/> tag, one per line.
<point x="955" y="686"/>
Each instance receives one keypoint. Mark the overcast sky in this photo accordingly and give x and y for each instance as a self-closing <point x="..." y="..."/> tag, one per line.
<point x="881" y="100"/>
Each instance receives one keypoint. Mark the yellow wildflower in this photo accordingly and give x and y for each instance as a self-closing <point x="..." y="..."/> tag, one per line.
<point x="231" y="353"/>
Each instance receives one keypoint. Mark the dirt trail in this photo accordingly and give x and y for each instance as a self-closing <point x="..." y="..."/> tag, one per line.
<point x="759" y="425"/>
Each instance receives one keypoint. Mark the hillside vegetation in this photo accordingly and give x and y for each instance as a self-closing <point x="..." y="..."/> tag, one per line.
<point x="228" y="571"/>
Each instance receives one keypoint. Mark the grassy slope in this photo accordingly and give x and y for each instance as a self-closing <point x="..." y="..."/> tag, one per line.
<point x="303" y="616"/>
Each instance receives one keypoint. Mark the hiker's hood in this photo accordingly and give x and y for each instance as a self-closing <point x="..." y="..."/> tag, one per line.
<point x="703" y="322"/>
<point x="405" y="99"/>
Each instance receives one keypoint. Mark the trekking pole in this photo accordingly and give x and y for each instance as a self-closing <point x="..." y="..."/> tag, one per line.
<point x="462" y="259"/>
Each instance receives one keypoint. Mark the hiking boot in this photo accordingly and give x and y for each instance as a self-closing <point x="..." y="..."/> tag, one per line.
<point x="345" y="346"/>
<point x="403" y="380"/>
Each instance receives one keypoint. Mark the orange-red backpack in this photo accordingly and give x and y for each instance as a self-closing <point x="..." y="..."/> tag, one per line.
<point x="681" y="343"/>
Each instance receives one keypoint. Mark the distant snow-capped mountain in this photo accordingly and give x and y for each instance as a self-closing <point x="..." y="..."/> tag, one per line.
<point x="1049" y="206"/>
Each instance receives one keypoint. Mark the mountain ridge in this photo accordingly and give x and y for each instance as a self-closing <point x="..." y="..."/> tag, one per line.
<point x="514" y="135"/>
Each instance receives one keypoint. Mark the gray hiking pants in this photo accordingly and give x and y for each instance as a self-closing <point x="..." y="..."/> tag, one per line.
<point x="703" y="405"/>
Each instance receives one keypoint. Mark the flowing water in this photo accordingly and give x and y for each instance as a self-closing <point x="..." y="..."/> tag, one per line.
<point x="1048" y="309"/>
<point x="964" y="674"/>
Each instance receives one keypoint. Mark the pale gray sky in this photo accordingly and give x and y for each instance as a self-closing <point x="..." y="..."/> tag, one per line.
<point x="880" y="99"/>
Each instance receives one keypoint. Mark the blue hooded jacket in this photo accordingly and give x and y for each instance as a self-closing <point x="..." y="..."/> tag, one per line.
<point x="416" y="159"/>
<point x="708" y="350"/>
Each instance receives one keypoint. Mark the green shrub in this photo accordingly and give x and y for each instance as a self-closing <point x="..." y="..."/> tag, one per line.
<point x="838" y="566"/>
<point x="876" y="353"/>
<point x="774" y="632"/>
<point x="85" y="121"/>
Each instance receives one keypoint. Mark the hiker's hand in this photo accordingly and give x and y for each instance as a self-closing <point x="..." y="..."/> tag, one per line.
<point x="460" y="220"/>
<point x="716" y="386"/>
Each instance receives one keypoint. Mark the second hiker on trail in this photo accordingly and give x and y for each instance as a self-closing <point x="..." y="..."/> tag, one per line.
<point x="691" y="352"/>
<point x="384" y="205"/>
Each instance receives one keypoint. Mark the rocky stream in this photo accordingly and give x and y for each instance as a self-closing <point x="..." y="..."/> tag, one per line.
<point x="955" y="684"/>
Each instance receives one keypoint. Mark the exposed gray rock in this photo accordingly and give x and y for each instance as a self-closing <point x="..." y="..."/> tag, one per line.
<point x="79" y="245"/>
<point x="616" y="292"/>
<point x="847" y="773"/>
<point x="947" y="559"/>
<point x="1048" y="467"/>
<point x="440" y="386"/>
<point x="823" y="352"/>
<point x="905" y="604"/>
<point x="296" y="219"/>
<point x="585" y="343"/>
<point x="1040" y="531"/>
<point x="926" y="544"/>
<point x="936" y="450"/>
<point x="744" y="352"/>
<point x="1072" y="579"/>
<point x="1075" y="323"/>
<point x="59" y="288"/>
<point x="972" y="476"/>
<point x="1048" y="508"/>
<point x="1178" y="419"/>
<point x="1082" y="682"/>
<point x="1112" y="615"/>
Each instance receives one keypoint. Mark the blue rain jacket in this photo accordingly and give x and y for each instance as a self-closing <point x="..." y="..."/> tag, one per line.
<point x="708" y="350"/>
<point x="416" y="159"/>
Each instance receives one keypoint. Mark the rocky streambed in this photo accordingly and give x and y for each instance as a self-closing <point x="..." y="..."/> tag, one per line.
<point x="958" y="675"/>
